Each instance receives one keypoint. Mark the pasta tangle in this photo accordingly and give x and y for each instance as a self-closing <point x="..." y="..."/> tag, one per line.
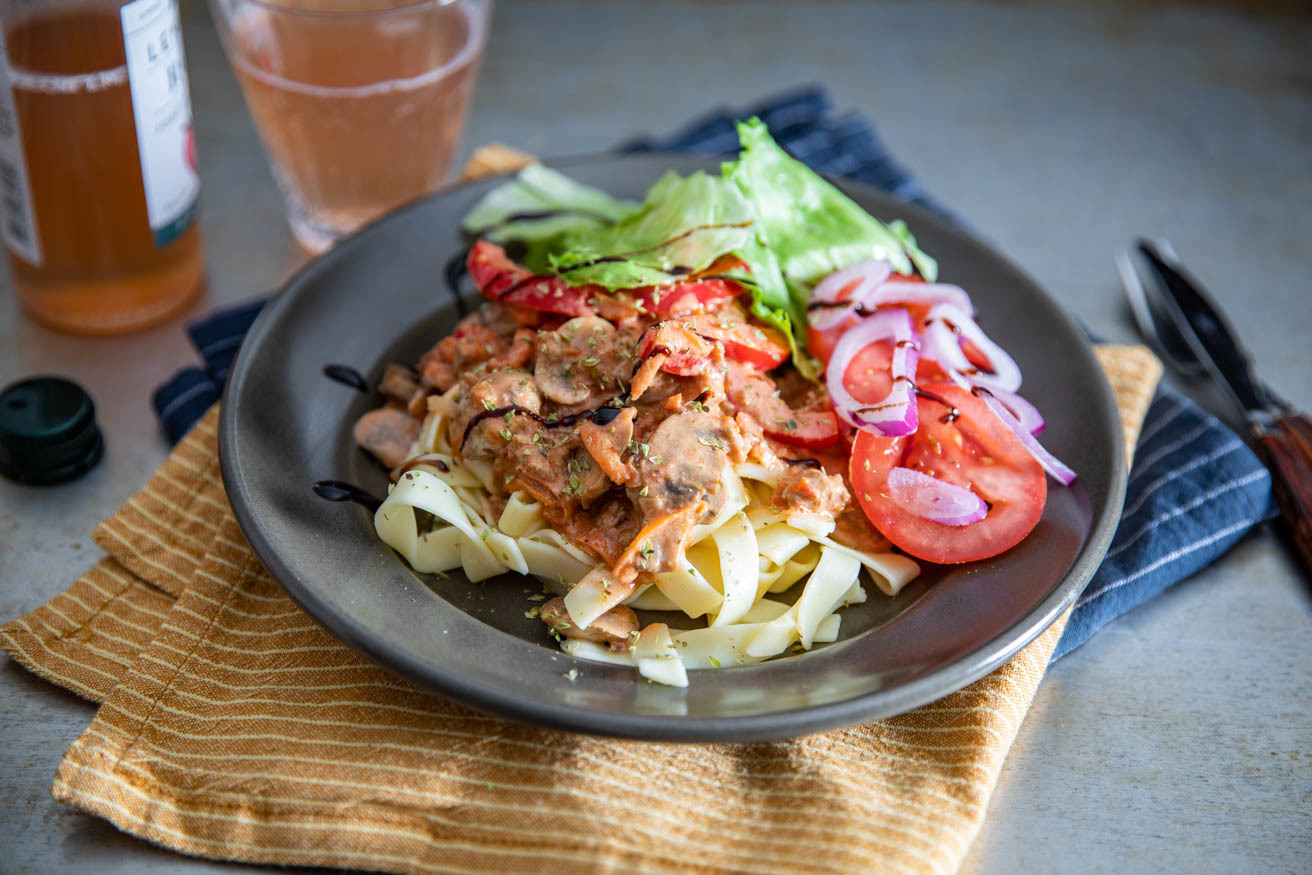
<point x="439" y="517"/>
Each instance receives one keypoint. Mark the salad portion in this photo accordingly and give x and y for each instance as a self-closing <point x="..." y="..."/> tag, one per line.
<point x="726" y="402"/>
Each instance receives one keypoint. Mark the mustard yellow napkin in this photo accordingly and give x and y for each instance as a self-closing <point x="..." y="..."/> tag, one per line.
<point x="233" y="726"/>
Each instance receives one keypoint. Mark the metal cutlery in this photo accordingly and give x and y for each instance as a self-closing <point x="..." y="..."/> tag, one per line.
<point x="1192" y="336"/>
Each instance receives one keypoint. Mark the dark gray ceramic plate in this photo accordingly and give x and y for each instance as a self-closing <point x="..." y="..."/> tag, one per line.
<point x="380" y="297"/>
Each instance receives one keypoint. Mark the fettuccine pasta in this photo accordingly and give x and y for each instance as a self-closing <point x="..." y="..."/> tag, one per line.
<point x="439" y="516"/>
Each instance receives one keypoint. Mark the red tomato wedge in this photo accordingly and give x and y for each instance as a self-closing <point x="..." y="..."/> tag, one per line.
<point x="699" y="291"/>
<point x="493" y="271"/>
<point x="973" y="450"/>
<point x="869" y="376"/>
<point x="760" y="346"/>
<point x="810" y="429"/>
<point x="686" y="352"/>
<point x="753" y="393"/>
<point x="821" y="343"/>
<point x="684" y="297"/>
<point x="551" y="295"/>
<point x="501" y="279"/>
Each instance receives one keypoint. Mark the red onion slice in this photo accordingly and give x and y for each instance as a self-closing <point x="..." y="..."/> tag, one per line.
<point x="1050" y="463"/>
<point x="933" y="499"/>
<point x="867" y="274"/>
<point x="895" y="414"/>
<point x="872" y="270"/>
<point x="1027" y="413"/>
<point x="895" y="292"/>
<point x="943" y="344"/>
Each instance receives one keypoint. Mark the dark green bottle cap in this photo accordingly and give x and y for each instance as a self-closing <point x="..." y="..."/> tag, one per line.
<point x="48" y="431"/>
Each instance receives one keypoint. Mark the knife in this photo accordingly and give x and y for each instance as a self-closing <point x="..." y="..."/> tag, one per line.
<point x="1196" y="338"/>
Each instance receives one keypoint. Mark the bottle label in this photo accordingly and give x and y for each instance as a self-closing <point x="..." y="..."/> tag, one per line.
<point x="157" y="78"/>
<point x="15" y="194"/>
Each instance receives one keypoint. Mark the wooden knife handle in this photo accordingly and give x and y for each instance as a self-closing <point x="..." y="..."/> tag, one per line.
<point x="1299" y="428"/>
<point x="1288" y="450"/>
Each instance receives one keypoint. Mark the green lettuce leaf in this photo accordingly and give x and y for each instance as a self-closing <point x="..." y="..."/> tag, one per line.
<point x="684" y="225"/>
<point x="772" y="299"/>
<point x="537" y="208"/>
<point x="789" y="227"/>
<point x="926" y="266"/>
<point x="812" y="228"/>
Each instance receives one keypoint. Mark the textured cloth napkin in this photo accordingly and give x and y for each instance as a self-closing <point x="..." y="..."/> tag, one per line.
<point x="233" y="726"/>
<point x="1196" y="490"/>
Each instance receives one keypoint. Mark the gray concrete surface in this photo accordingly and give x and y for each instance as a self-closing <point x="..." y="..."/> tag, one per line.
<point x="1180" y="738"/>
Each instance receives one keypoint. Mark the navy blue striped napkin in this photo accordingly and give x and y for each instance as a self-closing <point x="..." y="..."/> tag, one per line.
<point x="183" y="400"/>
<point x="1195" y="488"/>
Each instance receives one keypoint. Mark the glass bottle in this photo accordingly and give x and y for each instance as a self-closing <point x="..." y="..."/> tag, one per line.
<point x="98" y="181"/>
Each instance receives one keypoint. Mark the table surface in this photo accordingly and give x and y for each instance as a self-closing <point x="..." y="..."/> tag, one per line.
<point x="1180" y="737"/>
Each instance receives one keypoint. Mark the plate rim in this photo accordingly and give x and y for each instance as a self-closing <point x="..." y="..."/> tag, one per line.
<point x="878" y="704"/>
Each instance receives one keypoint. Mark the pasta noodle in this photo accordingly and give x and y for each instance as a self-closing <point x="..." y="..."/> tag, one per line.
<point x="438" y="516"/>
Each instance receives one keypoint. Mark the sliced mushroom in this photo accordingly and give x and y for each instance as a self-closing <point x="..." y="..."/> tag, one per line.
<point x="615" y="628"/>
<point x="387" y="433"/>
<point x="475" y="434"/>
<point x="582" y="361"/>
<point x="683" y="461"/>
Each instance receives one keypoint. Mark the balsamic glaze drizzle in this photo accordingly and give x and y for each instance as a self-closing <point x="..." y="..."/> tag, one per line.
<point x="397" y="473"/>
<point x="623" y="256"/>
<point x="347" y="376"/>
<point x="544" y="214"/>
<point x="952" y="414"/>
<point x="834" y="305"/>
<point x="339" y="490"/>
<point x="527" y="281"/>
<point x="605" y="415"/>
<point x="601" y="416"/>
<point x="454" y="270"/>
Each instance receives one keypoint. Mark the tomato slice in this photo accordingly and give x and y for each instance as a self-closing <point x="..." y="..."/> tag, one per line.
<point x="501" y="279"/>
<point x="869" y="376"/>
<point x="686" y="352"/>
<point x="687" y="343"/>
<point x="976" y="357"/>
<point x="552" y="295"/>
<point x="753" y="393"/>
<point x="811" y="429"/>
<point x="760" y="346"/>
<point x="493" y="271"/>
<point x="973" y="450"/>
<point x="821" y="343"/>
<point x="684" y="297"/>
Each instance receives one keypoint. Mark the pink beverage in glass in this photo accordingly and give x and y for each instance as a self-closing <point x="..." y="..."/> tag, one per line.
<point x="359" y="104"/>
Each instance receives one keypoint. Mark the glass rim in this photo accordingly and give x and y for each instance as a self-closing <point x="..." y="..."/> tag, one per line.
<point x="477" y="12"/>
<point x="274" y="6"/>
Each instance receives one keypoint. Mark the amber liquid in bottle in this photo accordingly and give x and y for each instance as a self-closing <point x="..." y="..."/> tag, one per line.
<point x="101" y="269"/>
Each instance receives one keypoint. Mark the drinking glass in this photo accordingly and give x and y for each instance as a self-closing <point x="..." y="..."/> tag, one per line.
<point x="359" y="103"/>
